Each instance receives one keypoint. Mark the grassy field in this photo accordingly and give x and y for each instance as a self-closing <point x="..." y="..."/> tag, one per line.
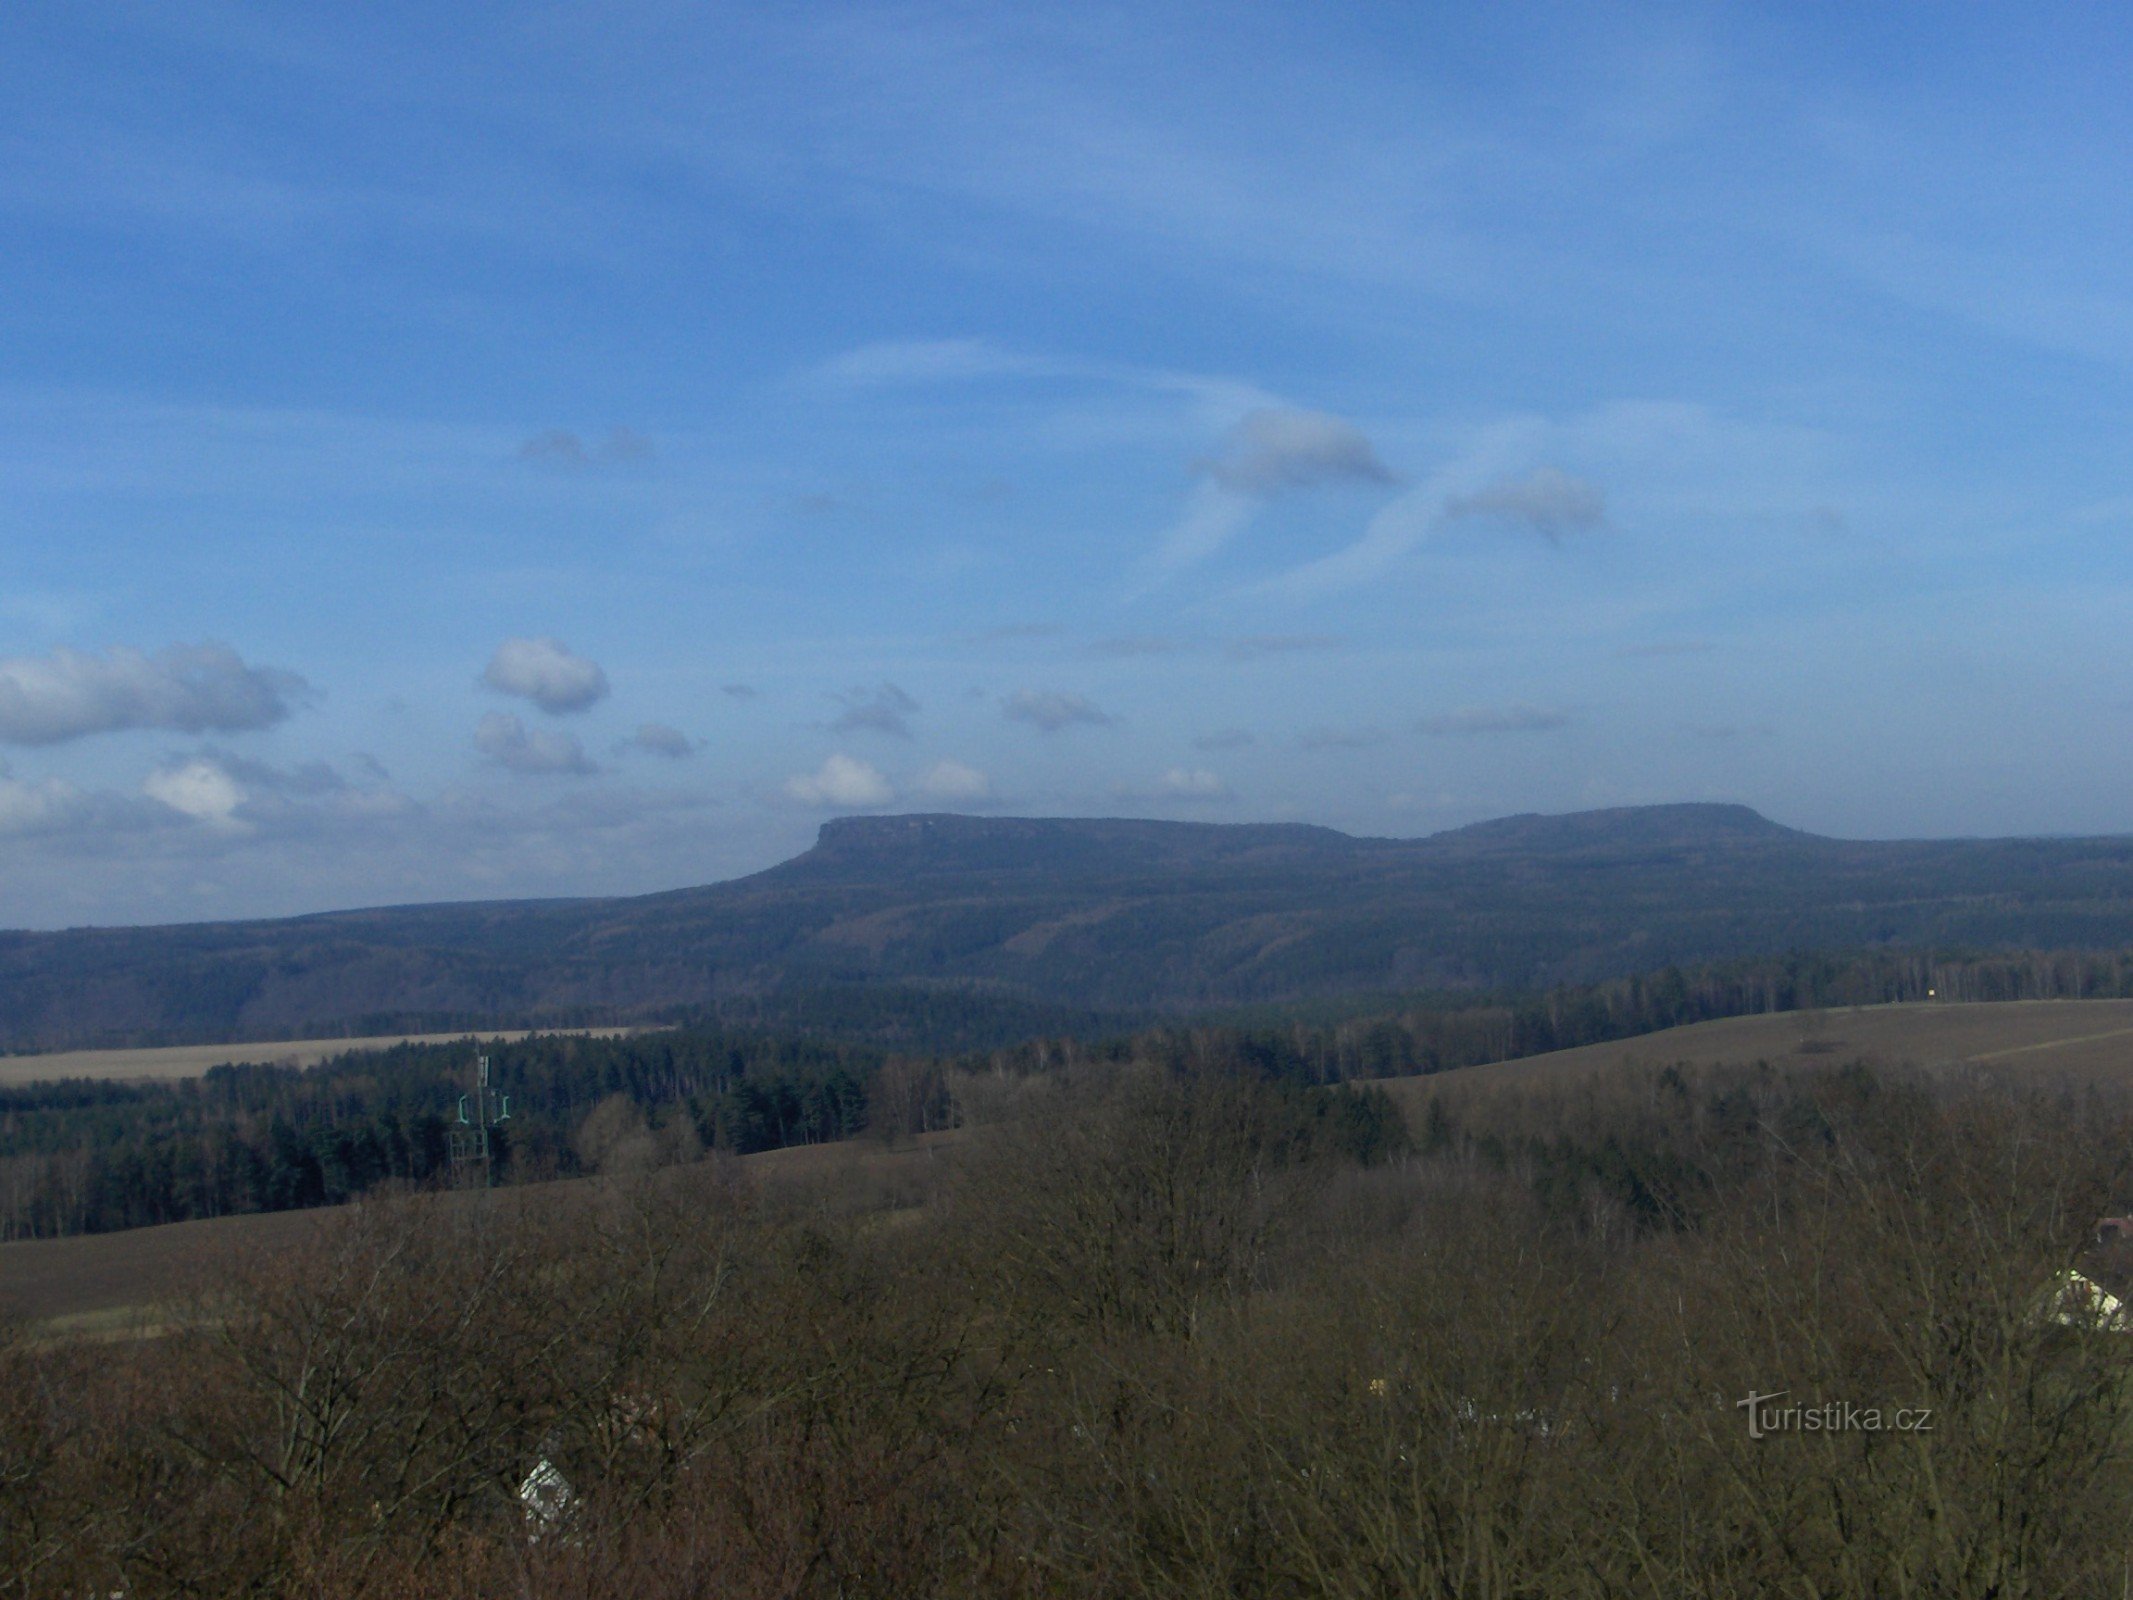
<point x="114" y="1283"/>
<point x="2062" y="1038"/>
<point x="191" y="1060"/>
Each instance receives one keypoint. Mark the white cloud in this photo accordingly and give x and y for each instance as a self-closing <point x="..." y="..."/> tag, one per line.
<point x="511" y="745"/>
<point x="884" y="710"/>
<point x="951" y="780"/>
<point x="661" y="740"/>
<point x="1548" y="501"/>
<point x="545" y="671"/>
<point x="1495" y="719"/>
<point x="842" y="782"/>
<point x="1050" y="710"/>
<point x="200" y="788"/>
<point x="188" y="688"/>
<point x="232" y="796"/>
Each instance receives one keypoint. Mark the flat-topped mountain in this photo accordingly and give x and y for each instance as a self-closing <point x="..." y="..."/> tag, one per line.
<point x="1105" y="914"/>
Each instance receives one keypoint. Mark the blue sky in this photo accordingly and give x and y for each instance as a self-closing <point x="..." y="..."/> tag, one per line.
<point x="475" y="450"/>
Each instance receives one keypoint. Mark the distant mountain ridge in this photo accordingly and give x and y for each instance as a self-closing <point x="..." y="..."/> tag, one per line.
<point x="1114" y="915"/>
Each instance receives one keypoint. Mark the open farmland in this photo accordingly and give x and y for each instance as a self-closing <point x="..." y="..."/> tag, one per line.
<point x="2062" y="1038"/>
<point x="114" y="1281"/>
<point x="164" y="1063"/>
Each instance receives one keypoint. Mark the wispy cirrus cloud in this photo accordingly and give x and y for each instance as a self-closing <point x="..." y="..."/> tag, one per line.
<point x="1255" y="647"/>
<point x="1268" y="452"/>
<point x="1318" y="739"/>
<point x="1475" y="720"/>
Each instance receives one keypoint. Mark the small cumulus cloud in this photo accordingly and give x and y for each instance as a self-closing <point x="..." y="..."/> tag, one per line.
<point x="1274" y="449"/>
<point x="951" y="780"/>
<point x="562" y="448"/>
<point x="1472" y="720"/>
<point x="226" y="795"/>
<point x="886" y="709"/>
<point x="200" y="788"/>
<point x="204" y="688"/>
<point x="532" y="752"/>
<point x="547" y="672"/>
<point x="1050" y="710"/>
<point x="659" y="739"/>
<point x="1547" y="501"/>
<point x="1223" y="739"/>
<point x="843" y="783"/>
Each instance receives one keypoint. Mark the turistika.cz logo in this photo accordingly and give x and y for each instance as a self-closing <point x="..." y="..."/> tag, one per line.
<point x="1766" y="1416"/>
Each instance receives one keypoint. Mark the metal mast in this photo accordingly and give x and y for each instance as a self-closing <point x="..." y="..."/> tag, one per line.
<point x="470" y="1139"/>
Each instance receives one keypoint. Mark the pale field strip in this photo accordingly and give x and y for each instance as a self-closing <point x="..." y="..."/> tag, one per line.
<point x="166" y="1062"/>
<point x="2066" y="1039"/>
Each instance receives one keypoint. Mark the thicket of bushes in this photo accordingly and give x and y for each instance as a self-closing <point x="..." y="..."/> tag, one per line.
<point x="1147" y="1331"/>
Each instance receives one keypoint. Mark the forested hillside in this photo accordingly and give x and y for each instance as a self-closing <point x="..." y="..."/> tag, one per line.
<point x="84" y="1157"/>
<point x="1009" y="926"/>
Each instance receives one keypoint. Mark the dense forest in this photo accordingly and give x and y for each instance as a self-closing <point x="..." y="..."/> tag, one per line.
<point x="1162" y="1332"/>
<point x="80" y="1157"/>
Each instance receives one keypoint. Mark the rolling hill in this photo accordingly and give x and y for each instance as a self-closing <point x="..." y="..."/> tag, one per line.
<point x="1121" y="917"/>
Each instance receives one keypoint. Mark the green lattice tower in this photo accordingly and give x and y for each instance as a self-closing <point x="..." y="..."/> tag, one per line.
<point x="472" y="1149"/>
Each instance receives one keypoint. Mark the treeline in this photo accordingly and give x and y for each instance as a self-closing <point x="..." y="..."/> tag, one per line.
<point x="82" y="1157"/>
<point x="90" y="1157"/>
<point x="1393" y="1038"/>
